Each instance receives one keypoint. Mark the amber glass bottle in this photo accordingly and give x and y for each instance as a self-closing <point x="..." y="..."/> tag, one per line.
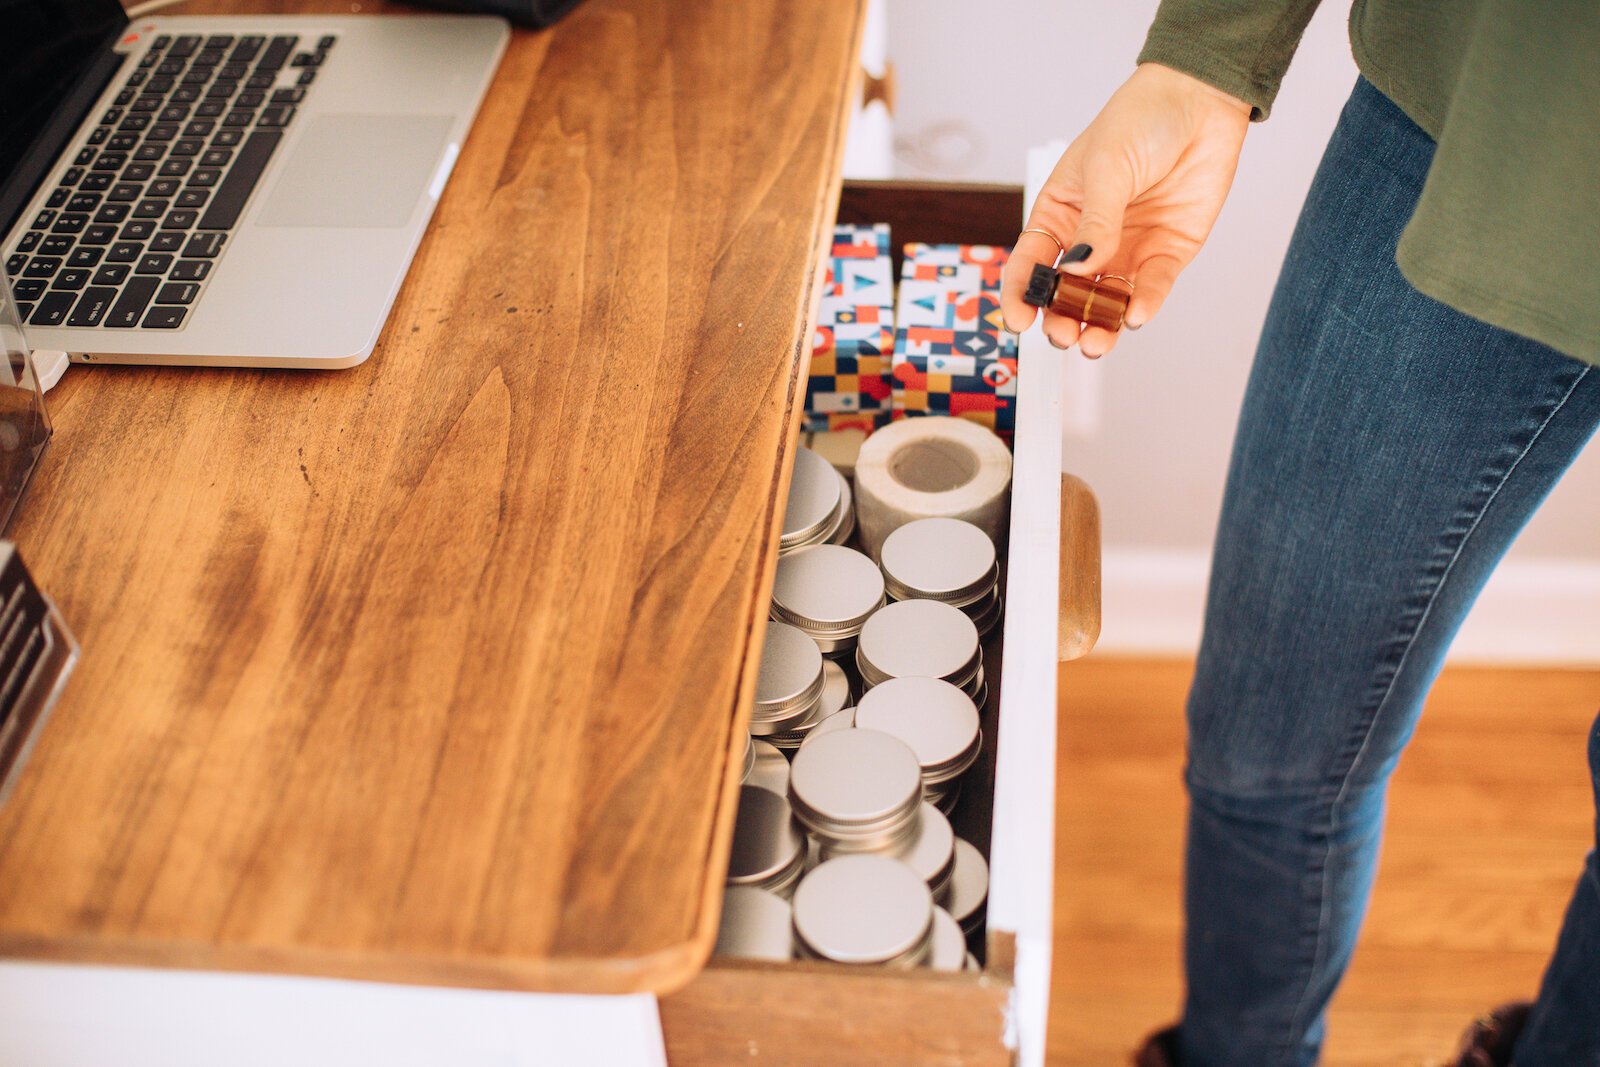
<point x="1092" y="301"/>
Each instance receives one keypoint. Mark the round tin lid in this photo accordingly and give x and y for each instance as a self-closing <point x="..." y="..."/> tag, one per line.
<point x="835" y="692"/>
<point x="756" y="924"/>
<point x="949" y="950"/>
<point x="749" y="759"/>
<point x="847" y="514"/>
<point x="767" y="842"/>
<point x="936" y="719"/>
<point x="813" y="500"/>
<point x="969" y="885"/>
<point x="862" y="909"/>
<point x="939" y="559"/>
<point x="827" y="587"/>
<point x="918" y="638"/>
<point x="843" y="719"/>
<point x="854" y="777"/>
<point x="771" y="770"/>
<point x="932" y="852"/>
<point x="791" y="671"/>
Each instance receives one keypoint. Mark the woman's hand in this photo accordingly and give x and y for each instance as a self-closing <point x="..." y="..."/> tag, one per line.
<point x="1136" y="194"/>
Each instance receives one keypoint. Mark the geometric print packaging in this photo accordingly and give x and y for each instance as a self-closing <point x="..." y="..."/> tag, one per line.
<point x="952" y="354"/>
<point x="849" y="385"/>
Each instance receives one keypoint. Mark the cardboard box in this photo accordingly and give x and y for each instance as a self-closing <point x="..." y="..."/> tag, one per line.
<point x="953" y="355"/>
<point x="849" y="386"/>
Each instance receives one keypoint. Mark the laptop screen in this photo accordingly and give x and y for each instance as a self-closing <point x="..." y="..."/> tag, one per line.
<point x="54" y="63"/>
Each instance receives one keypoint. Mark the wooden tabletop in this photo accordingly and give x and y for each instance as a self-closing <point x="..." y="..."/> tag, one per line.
<point x="432" y="670"/>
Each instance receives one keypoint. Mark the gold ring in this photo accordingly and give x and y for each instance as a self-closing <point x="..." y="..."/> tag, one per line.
<point x="1047" y="233"/>
<point x="1118" y="277"/>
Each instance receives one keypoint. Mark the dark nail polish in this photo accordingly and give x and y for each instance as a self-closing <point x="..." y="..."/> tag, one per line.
<point x="1077" y="253"/>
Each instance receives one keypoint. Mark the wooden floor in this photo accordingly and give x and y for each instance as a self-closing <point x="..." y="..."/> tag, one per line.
<point x="1490" y="817"/>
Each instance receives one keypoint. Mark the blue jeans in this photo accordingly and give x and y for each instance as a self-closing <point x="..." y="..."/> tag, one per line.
<point x="1389" y="450"/>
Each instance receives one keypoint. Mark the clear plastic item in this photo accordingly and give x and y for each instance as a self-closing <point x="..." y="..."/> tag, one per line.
<point x="24" y="425"/>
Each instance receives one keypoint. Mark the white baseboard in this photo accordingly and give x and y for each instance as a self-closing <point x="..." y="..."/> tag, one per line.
<point x="1533" y="612"/>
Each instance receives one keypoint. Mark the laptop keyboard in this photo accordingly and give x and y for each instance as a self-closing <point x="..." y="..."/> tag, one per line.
<point x="135" y="226"/>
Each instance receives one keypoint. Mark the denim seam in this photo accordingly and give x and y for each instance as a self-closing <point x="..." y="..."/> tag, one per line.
<point x="1369" y="723"/>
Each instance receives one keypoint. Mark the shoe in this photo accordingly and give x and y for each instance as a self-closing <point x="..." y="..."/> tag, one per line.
<point x="1488" y="1041"/>
<point x="1160" y="1049"/>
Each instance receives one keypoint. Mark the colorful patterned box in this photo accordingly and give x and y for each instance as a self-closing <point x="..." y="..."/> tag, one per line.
<point x="854" y="340"/>
<point x="952" y="353"/>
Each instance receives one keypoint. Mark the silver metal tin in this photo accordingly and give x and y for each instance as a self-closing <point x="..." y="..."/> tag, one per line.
<point x="932" y="852"/>
<point x="939" y="559"/>
<point x="843" y="719"/>
<point x="756" y="924"/>
<point x="858" y="790"/>
<point x="847" y="521"/>
<point x="864" y="910"/>
<point x="972" y="965"/>
<point x="790" y="680"/>
<point x="936" y="719"/>
<point x="829" y="592"/>
<point x="835" y="696"/>
<point x="749" y="759"/>
<point x="920" y="639"/>
<point x="769" y="848"/>
<point x="771" y="771"/>
<point x="969" y="886"/>
<point x="948" y="950"/>
<point x="816" y="506"/>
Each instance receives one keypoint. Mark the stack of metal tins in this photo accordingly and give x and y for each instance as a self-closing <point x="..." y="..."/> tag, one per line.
<point x="947" y="560"/>
<point x="857" y="791"/>
<point x="938" y="721"/>
<point x="756" y="924"/>
<point x="820" y="509"/>
<point x="835" y="696"/>
<point x="790" y="682"/>
<point x="769" y="848"/>
<point x="922" y="639"/>
<point x="864" y="910"/>
<point x="829" y="592"/>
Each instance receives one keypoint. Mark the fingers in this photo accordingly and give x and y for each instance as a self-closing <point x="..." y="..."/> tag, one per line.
<point x="1107" y="188"/>
<point x="1060" y="331"/>
<point x="1032" y="249"/>
<point x="1155" y="279"/>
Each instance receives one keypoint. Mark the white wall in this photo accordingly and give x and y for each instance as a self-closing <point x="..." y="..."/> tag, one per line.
<point x="980" y="83"/>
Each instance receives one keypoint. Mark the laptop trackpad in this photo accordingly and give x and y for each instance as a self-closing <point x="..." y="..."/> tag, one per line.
<point x="357" y="171"/>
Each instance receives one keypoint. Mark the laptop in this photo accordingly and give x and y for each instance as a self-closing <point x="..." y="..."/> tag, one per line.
<point x="241" y="191"/>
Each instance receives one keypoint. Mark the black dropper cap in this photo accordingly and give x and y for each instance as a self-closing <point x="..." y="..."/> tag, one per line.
<point x="1041" y="286"/>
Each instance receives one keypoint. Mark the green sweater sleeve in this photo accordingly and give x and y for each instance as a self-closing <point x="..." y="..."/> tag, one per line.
<point x="1242" y="47"/>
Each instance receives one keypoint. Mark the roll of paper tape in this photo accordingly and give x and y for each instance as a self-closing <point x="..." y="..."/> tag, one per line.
<point x="931" y="466"/>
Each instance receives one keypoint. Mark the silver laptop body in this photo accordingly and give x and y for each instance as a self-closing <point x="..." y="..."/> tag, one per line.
<point x="306" y="275"/>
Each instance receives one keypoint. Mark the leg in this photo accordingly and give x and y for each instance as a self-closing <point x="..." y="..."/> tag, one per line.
<point x="1389" y="450"/>
<point x="1564" y="1027"/>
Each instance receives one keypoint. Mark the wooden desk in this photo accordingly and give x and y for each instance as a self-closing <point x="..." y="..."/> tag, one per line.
<point x="431" y="670"/>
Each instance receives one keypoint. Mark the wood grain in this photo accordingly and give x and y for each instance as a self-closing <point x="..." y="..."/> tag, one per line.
<point x="1480" y="856"/>
<point x="1079" y="626"/>
<point x="430" y="670"/>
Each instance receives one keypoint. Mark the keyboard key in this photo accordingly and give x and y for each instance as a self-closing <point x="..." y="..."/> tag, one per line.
<point x="52" y="309"/>
<point x="325" y="43"/>
<point x="125" y="252"/>
<point x="111" y="117"/>
<point x="210" y="109"/>
<point x="85" y="257"/>
<point x="222" y="90"/>
<point x="192" y="198"/>
<point x="209" y="58"/>
<point x="95" y="183"/>
<point x="166" y="241"/>
<point x="163" y="188"/>
<point x="259" y="81"/>
<point x="125" y="191"/>
<point x="307" y="76"/>
<point x="250" y="98"/>
<point x="151" y="209"/>
<point x="170" y="66"/>
<point x="247" y="49"/>
<point x="23" y="311"/>
<point x="92" y="306"/>
<point x="122" y="142"/>
<point x="219" y="40"/>
<point x="205" y="177"/>
<point x="204" y="245"/>
<point x="175" y="168"/>
<point x="178" y="293"/>
<point x="138" y="231"/>
<point x="16" y="262"/>
<point x="147" y="103"/>
<point x="112" y="213"/>
<point x="139" y="172"/>
<point x="70" y="222"/>
<point x="277" y="51"/>
<point x="72" y="176"/>
<point x="84" y="157"/>
<point x="153" y="263"/>
<point x="184" y="95"/>
<point x="216" y="157"/>
<point x="55" y="245"/>
<point x="110" y="161"/>
<point x="41" y="267"/>
<point x="111" y="274"/>
<point x="99" y="134"/>
<point x="124" y="98"/>
<point x="43" y="220"/>
<point x="28" y="289"/>
<point x="134" y="123"/>
<point x="174" y="113"/>
<point x="199" y="128"/>
<point x="162" y="131"/>
<point x="137" y="78"/>
<point x="288" y="96"/>
<point x="276" y="116"/>
<point x="58" y="198"/>
<point x="165" y="317"/>
<point x="71" y="278"/>
<point x="149" y="153"/>
<point x="98" y="235"/>
<point x="82" y="201"/>
<point x="239" y="118"/>
<point x="307" y="59"/>
<point x="227" y="138"/>
<point x="190" y="270"/>
<point x="30" y="241"/>
<point x="131" y="304"/>
<point x="229" y="200"/>
<point x="187" y="146"/>
<point x="161" y="41"/>
<point x="180" y="220"/>
<point x="198" y="76"/>
<point x="160" y="84"/>
<point x="233" y="71"/>
<point x="185" y="46"/>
